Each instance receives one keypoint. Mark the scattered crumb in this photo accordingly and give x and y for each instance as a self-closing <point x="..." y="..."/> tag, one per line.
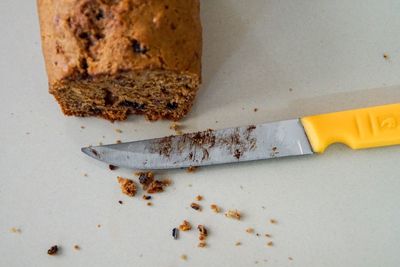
<point x="149" y="204"/>
<point x="185" y="226"/>
<point x="76" y="247"/>
<point x="27" y="133"/>
<point x="263" y="207"/>
<point x="273" y="221"/>
<point x="270" y="244"/>
<point x="215" y="208"/>
<point x="257" y="234"/>
<point x="238" y="243"/>
<point x="202" y="230"/>
<point x="120" y="202"/>
<point x="290" y="258"/>
<point x="156" y="186"/>
<point x="15" y="230"/>
<point x="118" y="141"/>
<point x="152" y="186"/>
<point x="290" y="89"/>
<point x="250" y="230"/>
<point x="53" y="250"/>
<point x="199" y="198"/>
<point x="85" y="174"/>
<point x="241" y="187"/>
<point x="146" y="197"/>
<point x="190" y="185"/>
<point x="216" y="121"/>
<point x="145" y="178"/>
<point x="191" y="169"/>
<point x="128" y="187"/>
<point x="202" y="245"/>
<point x="234" y="214"/>
<point x="175" y="233"/>
<point x="176" y="127"/>
<point x="202" y="237"/>
<point x="195" y="206"/>
<point x="184" y="257"/>
<point x="256" y="109"/>
<point x="112" y="167"/>
<point x="268" y="235"/>
<point x="99" y="225"/>
<point x="83" y="127"/>
<point x="118" y="130"/>
<point x="386" y="56"/>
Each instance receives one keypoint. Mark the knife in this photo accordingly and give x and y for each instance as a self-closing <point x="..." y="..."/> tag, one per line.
<point x="358" y="129"/>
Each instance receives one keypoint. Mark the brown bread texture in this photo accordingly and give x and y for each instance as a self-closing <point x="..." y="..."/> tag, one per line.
<point x="112" y="58"/>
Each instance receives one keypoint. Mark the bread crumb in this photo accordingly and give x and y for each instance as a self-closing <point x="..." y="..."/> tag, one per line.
<point x="273" y="221"/>
<point x="128" y="186"/>
<point x="250" y="230"/>
<point x="76" y="247"/>
<point x="99" y="225"/>
<point x="185" y="226"/>
<point x="176" y="127"/>
<point x="190" y="185"/>
<point x="233" y="214"/>
<point x="215" y="208"/>
<point x="256" y="109"/>
<point x="238" y="243"/>
<point x="191" y="169"/>
<point x="146" y="197"/>
<point x="53" y="250"/>
<point x="199" y="198"/>
<point x="270" y="243"/>
<point x="120" y="202"/>
<point x="202" y="245"/>
<point x="149" y="204"/>
<point x="184" y="257"/>
<point x="156" y="186"/>
<point x="175" y="233"/>
<point x="118" y="130"/>
<point x="83" y="127"/>
<point x="386" y="56"/>
<point x="112" y="167"/>
<point x="290" y="89"/>
<point x="118" y="141"/>
<point x="15" y="230"/>
<point x="290" y="258"/>
<point x="202" y="230"/>
<point x="268" y="235"/>
<point x="85" y="175"/>
<point x="145" y="178"/>
<point x="195" y="206"/>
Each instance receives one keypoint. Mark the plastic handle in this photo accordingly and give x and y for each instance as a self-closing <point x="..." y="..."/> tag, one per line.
<point x="361" y="128"/>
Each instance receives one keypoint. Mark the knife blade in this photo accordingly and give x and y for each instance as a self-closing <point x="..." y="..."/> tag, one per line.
<point x="362" y="128"/>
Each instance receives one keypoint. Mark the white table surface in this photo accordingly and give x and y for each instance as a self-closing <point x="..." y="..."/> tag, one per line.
<point x="286" y="58"/>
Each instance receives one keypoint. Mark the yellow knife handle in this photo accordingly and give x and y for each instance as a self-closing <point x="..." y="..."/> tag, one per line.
<point x="358" y="129"/>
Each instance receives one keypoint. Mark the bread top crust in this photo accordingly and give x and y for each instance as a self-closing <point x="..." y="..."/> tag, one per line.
<point x="92" y="37"/>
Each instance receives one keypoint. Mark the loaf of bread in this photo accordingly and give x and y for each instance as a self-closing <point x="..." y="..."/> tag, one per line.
<point x="111" y="58"/>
